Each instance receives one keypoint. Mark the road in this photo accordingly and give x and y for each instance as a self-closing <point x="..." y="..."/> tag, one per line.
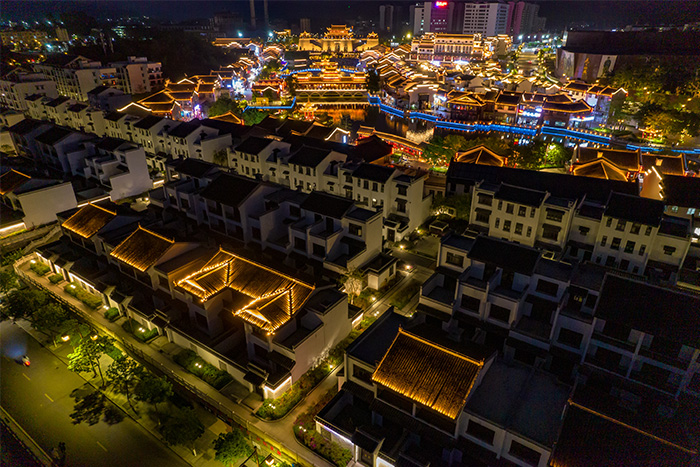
<point x="38" y="398"/>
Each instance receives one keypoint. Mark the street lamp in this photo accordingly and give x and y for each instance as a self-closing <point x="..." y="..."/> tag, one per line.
<point x="65" y="338"/>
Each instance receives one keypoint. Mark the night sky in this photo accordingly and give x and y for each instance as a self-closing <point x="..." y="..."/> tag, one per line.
<point x="603" y="14"/>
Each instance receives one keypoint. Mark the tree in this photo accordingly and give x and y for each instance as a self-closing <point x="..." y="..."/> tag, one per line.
<point x="183" y="428"/>
<point x="557" y="154"/>
<point x="8" y="280"/>
<point x="291" y="81"/>
<point x="372" y="81"/>
<point x="353" y="281"/>
<point x="222" y="105"/>
<point x="231" y="446"/>
<point x="86" y="355"/>
<point x="530" y="156"/>
<point x="123" y="373"/>
<point x="220" y="157"/>
<point x="88" y="408"/>
<point x="153" y="390"/>
<point x="21" y="303"/>
<point x="47" y="319"/>
<point x="460" y="203"/>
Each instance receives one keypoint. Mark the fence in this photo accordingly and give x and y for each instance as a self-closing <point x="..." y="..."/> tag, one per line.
<point x="216" y="407"/>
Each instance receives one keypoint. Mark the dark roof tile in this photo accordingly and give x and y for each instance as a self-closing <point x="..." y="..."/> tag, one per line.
<point x="507" y="255"/>
<point x="327" y="205"/>
<point x="229" y="190"/>
<point x="634" y="209"/>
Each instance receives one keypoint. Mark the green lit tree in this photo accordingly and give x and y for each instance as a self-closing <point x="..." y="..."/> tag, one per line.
<point x="230" y="447"/>
<point x="182" y="428"/>
<point x="19" y="304"/>
<point x="86" y="355"/>
<point x="124" y="373"/>
<point x="8" y="280"/>
<point x="48" y="319"/>
<point x="153" y="390"/>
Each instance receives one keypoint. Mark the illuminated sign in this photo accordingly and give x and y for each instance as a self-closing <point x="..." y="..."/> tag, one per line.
<point x="440" y="4"/>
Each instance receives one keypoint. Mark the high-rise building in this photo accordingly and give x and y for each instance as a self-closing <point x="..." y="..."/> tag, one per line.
<point x="386" y="18"/>
<point x="522" y="18"/>
<point x="304" y="24"/>
<point x="438" y="16"/>
<point x="489" y="19"/>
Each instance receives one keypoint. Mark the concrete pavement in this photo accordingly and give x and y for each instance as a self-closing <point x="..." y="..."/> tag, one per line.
<point x="38" y="398"/>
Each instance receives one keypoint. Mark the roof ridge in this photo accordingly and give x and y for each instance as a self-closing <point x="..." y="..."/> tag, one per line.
<point x="439" y="347"/>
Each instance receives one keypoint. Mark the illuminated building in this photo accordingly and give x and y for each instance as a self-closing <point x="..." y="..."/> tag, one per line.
<point x="16" y="85"/>
<point x="337" y="39"/>
<point x="488" y="19"/>
<point x="24" y="39"/>
<point x="76" y="75"/>
<point x="438" y="16"/>
<point x="331" y="85"/>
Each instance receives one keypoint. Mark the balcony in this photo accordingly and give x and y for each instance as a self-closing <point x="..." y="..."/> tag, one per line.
<point x="666" y="359"/>
<point x="435" y="294"/>
<point x="614" y="342"/>
<point x="534" y="328"/>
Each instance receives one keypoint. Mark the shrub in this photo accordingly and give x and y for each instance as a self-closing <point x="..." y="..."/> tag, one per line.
<point x="39" y="268"/>
<point x="113" y="352"/>
<point x="55" y="278"/>
<point x="91" y="300"/>
<point x="305" y="431"/>
<point x="112" y="314"/>
<point x="406" y="295"/>
<point x="134" y="328"/>
<point x="203" y="370"/>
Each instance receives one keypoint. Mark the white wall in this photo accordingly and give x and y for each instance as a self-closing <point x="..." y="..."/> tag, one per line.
<point x="40" y="206"/>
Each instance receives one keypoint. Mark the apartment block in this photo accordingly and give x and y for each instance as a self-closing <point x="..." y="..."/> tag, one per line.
<point x="164" y="283"/>
<point x="488" y="19"/>
<point x="16" y="85"/>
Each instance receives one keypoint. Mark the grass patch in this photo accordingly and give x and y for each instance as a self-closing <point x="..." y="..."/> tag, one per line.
<point x="55" y="278"/>
<point x="138" y="331"/>
<point x="112" y="314"/>
<point x="91" y="300"/>
<point x="406" y="296"/>
<point x="39" y="268"/>
<point x="191" y="362"/>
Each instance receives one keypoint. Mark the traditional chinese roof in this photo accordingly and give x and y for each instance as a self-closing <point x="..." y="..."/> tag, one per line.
<point x="600" y="168"/>
<point x="666" y="165"/>
<point x="89" y="220"/>
<point x="12" y="179"/>
<point x="427" y="373"/>
<point x="481" y="155"/>
<point x="142" y="249"/>
<point x="634" y="209"/>
<point x="260" y="295"/>
<point x="624" y="159"/>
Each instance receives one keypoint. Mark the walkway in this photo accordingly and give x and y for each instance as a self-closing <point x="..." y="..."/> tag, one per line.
<point x="279" y="434"/>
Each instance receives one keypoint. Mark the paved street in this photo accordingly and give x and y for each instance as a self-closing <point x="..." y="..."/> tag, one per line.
<point x="38" y="397"/>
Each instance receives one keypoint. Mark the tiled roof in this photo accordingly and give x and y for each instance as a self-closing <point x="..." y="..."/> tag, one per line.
<point x="600" y="168"/>
<point x="634" y="209"/>
<point x="309" y="157"/>
<point x="666" y="165"/>
<point x="432" y="375"/>
<point x="504" y="254"/>
<point x="559" y="185"/>
<point x="520" y="195"/>
<point x="149" y="122"/>
<point x="229" y="190"/>
<point x="195" y="167"/>
<point x="253" y="145"/>
<point x="628" y="160"/>
<point x="589" y="439"/>
<point x="184" y="129"/>
<point x="261" y="296"/>
<point x="373" y="172"/>
<point x="142" y="249"/>
<point x="26" y="126"/>
<point x="680" y="191"/>
<point x="89" y="220"/>
<point x="11" y="180"/>
<point x="650" y="309"/>
<point x="53" y="135"/>
<point x="481" y="155"/>
<point x="327" y="205"/>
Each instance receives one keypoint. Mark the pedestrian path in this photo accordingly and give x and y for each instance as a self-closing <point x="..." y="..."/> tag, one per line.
<point x="278" y="434"/>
